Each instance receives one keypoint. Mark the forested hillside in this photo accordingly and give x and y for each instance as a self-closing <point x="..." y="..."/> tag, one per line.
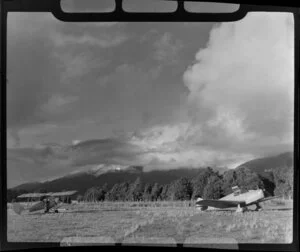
<point x="180" y="184"/>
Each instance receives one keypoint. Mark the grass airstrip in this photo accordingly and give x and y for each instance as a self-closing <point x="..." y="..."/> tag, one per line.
<point x="153" y="223"/>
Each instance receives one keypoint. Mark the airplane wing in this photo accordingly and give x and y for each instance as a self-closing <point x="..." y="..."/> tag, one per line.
<point x="65" y="193"/>
<point x="50" y="194"/>
<point x="220" y="203"/>
<point x="32" y="195"/>
<point x="269" y="198"/>
<point x="36" y="207"/>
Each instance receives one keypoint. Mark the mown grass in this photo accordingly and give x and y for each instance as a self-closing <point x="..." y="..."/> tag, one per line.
<point x="177" y="220"/>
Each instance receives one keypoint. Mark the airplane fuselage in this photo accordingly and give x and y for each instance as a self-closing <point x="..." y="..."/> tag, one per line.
<point x="249" y="197"/>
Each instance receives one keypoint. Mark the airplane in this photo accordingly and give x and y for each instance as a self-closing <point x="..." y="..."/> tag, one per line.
<point x="50" y="202"/>
<point x="236" y="199"/>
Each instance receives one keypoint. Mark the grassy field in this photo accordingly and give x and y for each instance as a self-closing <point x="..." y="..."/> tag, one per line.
<point x="154" y="222"/>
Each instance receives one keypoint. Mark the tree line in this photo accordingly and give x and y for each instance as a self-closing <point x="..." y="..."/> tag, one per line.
<point x="207" y="184"/>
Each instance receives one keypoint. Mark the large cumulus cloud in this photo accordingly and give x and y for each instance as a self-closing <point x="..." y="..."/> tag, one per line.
<point x="240" y="98"/>
<point x="244" y="78"/>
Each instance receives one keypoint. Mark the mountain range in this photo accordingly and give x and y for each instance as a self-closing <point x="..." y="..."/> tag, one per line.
<point x="263" y="166"/>
<point x="111" y="174"/>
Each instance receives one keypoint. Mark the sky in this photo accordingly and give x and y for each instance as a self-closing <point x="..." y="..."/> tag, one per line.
<point x="161" y="95"/>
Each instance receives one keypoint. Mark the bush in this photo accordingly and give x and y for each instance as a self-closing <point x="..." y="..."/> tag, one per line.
<point x="79" y="198"/>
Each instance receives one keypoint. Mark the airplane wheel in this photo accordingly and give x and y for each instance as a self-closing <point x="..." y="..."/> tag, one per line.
<point x="258" y="208"/>
<point x="241" y="209"/>
<point x="202" y="208"/>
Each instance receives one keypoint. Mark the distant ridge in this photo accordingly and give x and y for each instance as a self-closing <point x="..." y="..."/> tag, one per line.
<point x="83" y="180"/>
<point x="263" y="166"/>
<point x="102" y="168"/>
<point x="28" y="186"/>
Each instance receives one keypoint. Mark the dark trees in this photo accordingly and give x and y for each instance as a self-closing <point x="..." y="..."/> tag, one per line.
<point x="147" y="192"/>
<point x="135" y="190"/>
<point x="242" y="177"/>
<point x="181" y="189"/>
<point x="93" y="194"/>
<point x="79" y="198"/>
<point x="164" y="195"/>
<point x="213" y="188"/>
<point x="284" y="179"/>
<point x="156" y="192"/>
<point x="200" y="181"/>
<point x="13" y="194"/>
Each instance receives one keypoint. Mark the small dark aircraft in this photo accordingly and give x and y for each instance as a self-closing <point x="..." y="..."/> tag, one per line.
<point x="236" y="199"/>
<point x="49" y="202"/>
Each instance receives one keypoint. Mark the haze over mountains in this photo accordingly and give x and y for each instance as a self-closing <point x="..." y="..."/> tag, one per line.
<point x="111" y="174"/>
<point x="53" y="161"/>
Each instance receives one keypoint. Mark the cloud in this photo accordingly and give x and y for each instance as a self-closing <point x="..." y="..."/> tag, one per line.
<point x="167" y="48"/>
<point x="20" y="137"/>
<point x="244" y="79"/>
<point x="238" y="103"/>
<point x="72" y="65"/>
<point x="57" y="103"/>
<point x="75" y="142"/>
<point x="36" y="90"/>
<point x="25" y="24"/>
<point x="160" y="136"/>
<point x="32" y="73"/>
<point x="13" y="139"/>
<point x="34" y="164"/>
<point x="100" y="24"/>
<point x="103" y="40"/>
<point x="52" y="160"/>
<point x="171" y="146"/>
<point x="131" y="81"/>
<point x="240" y="100"/>
<point x="109" y="151"/>
<point x="29" y="87"/>
<point x="231" y="122"/>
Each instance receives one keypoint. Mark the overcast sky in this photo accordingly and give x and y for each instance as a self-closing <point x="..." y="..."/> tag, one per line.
<point x="162" y="95"/>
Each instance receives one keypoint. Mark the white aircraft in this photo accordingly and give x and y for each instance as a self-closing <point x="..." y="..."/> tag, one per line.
<point x="236" y="199"/>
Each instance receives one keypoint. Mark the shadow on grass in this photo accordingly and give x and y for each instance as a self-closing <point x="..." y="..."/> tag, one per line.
<point x="83" y="211"/>
<point x="279" y="209"/>
<point x="252" y="210"/>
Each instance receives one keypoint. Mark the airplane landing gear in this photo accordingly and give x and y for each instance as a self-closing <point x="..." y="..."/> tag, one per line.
<point x="240" y="209"/>
<point x="258" y="207"/>
<point x="202" y="208"/>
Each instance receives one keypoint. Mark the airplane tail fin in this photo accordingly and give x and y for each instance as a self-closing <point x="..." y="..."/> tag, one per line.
<point x="236" y="190"/>
<point x="18" y="208"/>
